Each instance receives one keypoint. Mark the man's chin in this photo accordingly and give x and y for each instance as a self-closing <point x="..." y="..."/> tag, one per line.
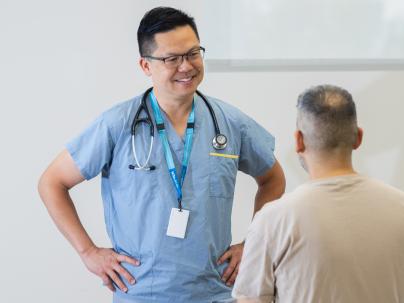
<point x="185" y="90"/>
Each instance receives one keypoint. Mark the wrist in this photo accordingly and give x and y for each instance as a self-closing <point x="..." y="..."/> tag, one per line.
<point x="85" y="251"/>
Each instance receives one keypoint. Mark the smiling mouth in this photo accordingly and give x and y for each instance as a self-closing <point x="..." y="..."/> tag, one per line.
<point x="185" y="80"/>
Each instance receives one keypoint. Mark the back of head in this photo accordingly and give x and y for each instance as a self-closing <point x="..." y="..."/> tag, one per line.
<point x="327" y="118"/>
<point x="160" y="20"/>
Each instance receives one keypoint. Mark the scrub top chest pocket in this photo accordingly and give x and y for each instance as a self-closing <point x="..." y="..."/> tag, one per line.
<point x="222" y="174"/>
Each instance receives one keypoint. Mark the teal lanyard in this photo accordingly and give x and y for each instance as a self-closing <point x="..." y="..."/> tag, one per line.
<point x="166" y="146"/>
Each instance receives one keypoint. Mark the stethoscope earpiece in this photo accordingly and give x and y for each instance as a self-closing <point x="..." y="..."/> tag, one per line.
<point x="151" y="167"/>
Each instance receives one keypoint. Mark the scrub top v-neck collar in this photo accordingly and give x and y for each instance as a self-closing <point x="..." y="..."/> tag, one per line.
<point x="177" y="142"/>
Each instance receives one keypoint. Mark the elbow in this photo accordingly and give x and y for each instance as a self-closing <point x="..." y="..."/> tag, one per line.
<point x="47" y="186"/>
<point x="282" y="186"/>
<point x="42" y="185"/>
<point x="277" y="186"/>
<point x="278" y="183"/>
<point x="282" y="189"/>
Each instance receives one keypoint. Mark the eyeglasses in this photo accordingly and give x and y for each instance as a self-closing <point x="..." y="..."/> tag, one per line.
<point x="193" y="56"/>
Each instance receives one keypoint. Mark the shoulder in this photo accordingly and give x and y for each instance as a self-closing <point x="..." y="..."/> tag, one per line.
<point x="119" y="116"/>
<point x="384" y="189"/>
<point x="287" y="208"/>
<point x="227" y="110"/>
<point x="120" y="111"/>
<point x="237" y="119"/>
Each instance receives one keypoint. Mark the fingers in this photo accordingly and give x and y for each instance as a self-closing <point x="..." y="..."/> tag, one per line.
<point x="127" y="259"/>
<point x="233" y="276"/>
<point x="106" y="263"/>
<point x="117" y="268"/>
<point x="228" y="271"/>
<point x="106" y="281"/>
<point x="115" y="278"/>
<point x="234" y="253"/>
<point x="124" y="273"/>
<point x="224" y="257"/>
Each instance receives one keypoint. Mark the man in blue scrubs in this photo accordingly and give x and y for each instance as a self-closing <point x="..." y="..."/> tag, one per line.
<point x="171" y="239"/>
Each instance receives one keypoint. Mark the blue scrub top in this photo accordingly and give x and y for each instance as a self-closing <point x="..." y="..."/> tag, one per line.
<point x="137" y="204"/>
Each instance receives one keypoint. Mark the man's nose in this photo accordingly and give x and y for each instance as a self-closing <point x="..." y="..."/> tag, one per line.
<point x="185" y="65"/>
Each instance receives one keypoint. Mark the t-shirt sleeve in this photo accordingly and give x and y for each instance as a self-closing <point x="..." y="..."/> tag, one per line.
<point x="257" y="149"/>
<point x="92" y="149"/>
<point x="255" y="280"/>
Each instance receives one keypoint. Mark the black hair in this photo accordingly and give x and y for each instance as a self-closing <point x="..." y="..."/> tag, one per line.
<point x="159" y="20"/>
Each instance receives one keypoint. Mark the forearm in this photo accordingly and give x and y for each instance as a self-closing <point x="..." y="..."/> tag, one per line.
<point x="62" y="211"/>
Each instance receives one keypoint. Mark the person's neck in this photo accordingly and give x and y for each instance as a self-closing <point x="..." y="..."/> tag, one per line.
<point x="176" y="109"/>
<point x="331" y="165"/>
<point x="174" y="106"/>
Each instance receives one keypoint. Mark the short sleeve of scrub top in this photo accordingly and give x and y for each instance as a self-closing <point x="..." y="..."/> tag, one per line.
<point x="92" y="149"/>
<point x="257" y="148"/>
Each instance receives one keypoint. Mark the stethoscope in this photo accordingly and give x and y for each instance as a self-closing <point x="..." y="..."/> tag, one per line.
<point x="219" y="141"/>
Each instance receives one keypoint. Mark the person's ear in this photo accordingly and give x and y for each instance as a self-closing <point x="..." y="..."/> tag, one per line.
<point x="359" y="138"/>
<point x="299" y="142"/>
<point x="145" y="66"/>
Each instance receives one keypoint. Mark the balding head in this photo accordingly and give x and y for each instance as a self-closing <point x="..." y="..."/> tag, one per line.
<point x="327" y="118"/>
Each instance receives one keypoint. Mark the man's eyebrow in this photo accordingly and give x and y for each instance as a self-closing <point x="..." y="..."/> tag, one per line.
<point x="177" y="54"/>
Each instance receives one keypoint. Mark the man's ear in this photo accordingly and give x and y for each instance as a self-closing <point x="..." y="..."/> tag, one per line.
<point x="145" y="66"/>
<point x="299" y="142"/>
<point x="359" y="138"/>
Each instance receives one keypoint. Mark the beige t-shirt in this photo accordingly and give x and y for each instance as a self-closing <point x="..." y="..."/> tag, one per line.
<point x="338" y="239"/>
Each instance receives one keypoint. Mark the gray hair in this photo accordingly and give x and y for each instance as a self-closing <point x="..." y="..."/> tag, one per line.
<point x="327" y="118"/>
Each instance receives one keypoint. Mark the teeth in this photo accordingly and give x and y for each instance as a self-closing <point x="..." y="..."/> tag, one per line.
<point x="185" y="80"/>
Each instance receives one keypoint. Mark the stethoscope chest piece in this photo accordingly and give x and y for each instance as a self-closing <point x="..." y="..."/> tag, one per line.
<point x="219" y="141"/>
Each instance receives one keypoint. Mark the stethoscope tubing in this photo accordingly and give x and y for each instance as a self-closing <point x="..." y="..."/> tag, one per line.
<point x="212" y="113"/>
<point x="147" y="120"/>
<point x="141" y="167"/>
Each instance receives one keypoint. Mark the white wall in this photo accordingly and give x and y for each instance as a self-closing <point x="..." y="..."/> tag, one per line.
<point x="62" y="63"/>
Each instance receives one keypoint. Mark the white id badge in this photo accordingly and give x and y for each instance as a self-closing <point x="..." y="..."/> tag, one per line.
<point x="178" y="223"/>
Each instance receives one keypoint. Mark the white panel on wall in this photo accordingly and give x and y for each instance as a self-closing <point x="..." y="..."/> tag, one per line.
<point x="342" y="33"/>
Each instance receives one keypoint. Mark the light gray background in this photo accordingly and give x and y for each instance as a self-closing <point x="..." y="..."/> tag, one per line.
<point x="64" y="62"/>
